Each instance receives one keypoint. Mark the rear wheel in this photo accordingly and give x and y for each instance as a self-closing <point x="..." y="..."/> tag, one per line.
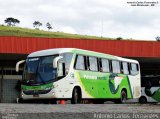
<point x="123" y="97"/>
<point x="76" y="96"/>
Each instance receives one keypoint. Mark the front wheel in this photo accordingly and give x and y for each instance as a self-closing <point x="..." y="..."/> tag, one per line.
<point x="76" y="96"/>
<point x="142" y="100"/>
<point x="19" y="100"/>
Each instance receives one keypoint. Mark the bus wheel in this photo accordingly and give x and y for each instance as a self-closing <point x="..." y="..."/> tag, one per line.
<point x="142" y="100"/>
<point x="76" y="96"/>
<point x="123" y="97"/>
<point x="20" y="100"/>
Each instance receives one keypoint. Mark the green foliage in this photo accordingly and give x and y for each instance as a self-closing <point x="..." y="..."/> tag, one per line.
<point x="37" y="24"/>
<point x="11" y="21"/>
<point x="49" y="26"/>
<point x="119" y="38"/>
<point x="25" y="32"/>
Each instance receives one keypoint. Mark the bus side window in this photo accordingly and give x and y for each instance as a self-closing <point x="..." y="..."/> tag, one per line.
<point x="93" y="63"/>
<point x="67" y="58"/>
<point x="80" y="63"/>
<point x="115" y="66"/>
<point x="125" y="68"/>
<point x="134" y="69"/>
<point x="155" y="82"/>
<point x="105" y="65"/>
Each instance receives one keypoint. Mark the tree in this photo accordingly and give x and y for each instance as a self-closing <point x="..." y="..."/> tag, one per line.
<point x="119" y="38"/>
<point x="158" y="38"/>
<point x="49" y="26"/>
<point x="37" y="24"/>
<point x="11" y="21"/>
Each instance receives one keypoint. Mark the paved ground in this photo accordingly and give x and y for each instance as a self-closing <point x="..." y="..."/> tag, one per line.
<point x="79" y="111"/>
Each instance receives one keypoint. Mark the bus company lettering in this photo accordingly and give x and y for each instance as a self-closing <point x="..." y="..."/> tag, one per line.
<point x="93" y="77"/>
<point x="90" y="77"/>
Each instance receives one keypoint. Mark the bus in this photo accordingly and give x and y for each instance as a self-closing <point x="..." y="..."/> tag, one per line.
<point x="77" y="75"/>
<point x="150" y="89"/>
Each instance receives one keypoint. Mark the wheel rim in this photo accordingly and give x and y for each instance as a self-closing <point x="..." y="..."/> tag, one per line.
<point x="123" y="97"/>
<point x="143" y="100"/>
<point x="76" y="96"/>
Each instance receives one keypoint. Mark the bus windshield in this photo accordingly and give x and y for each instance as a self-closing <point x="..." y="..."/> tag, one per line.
<point x="39" y="70"/>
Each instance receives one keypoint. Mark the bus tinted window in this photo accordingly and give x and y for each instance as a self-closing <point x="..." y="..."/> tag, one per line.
<point x="134" y="69"/>
<point x="93" y="66"/>
<point x="125" y="67"/>
<point x="67" y="59"/>
<point x="80" y="64"/>
<point x="105" y="65"/>
<point x="115" y="66"/>
<point x="150" y="81"/>
<point x="45" y="64"/>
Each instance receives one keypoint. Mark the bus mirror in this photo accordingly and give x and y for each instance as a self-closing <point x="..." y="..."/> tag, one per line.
<point x="55" y="61"/>
<point x="61" y="69"/>
<point x="17" y="65"/>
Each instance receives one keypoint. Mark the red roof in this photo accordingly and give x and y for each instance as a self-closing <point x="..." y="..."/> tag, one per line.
<point x="26" y="45"/>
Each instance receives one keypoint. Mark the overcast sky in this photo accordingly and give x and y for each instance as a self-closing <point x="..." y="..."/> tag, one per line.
<point x="107" y="18"/>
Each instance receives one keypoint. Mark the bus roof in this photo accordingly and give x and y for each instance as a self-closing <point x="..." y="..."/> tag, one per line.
<point x="48" y="52"/>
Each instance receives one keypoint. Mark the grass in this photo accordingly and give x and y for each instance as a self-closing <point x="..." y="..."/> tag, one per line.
<point x="26" y="32"/>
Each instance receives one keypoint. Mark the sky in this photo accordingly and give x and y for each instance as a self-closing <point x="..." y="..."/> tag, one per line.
<point x="104" y="18"/>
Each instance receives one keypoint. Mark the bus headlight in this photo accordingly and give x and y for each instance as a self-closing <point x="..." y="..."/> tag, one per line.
<point x="53" y="93"/>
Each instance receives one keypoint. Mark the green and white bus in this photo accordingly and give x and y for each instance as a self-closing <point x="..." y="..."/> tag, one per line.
<point x="150" y="90"/>
<point x="76" y="75"/>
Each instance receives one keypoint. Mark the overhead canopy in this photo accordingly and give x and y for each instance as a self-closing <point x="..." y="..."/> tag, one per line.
<point x="125" y="48"/>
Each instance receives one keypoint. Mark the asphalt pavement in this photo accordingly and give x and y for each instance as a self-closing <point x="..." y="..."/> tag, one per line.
<point x="78" y="111"/>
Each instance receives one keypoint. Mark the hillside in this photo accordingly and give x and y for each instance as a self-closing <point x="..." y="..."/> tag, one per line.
<point x="26" y="32"/>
